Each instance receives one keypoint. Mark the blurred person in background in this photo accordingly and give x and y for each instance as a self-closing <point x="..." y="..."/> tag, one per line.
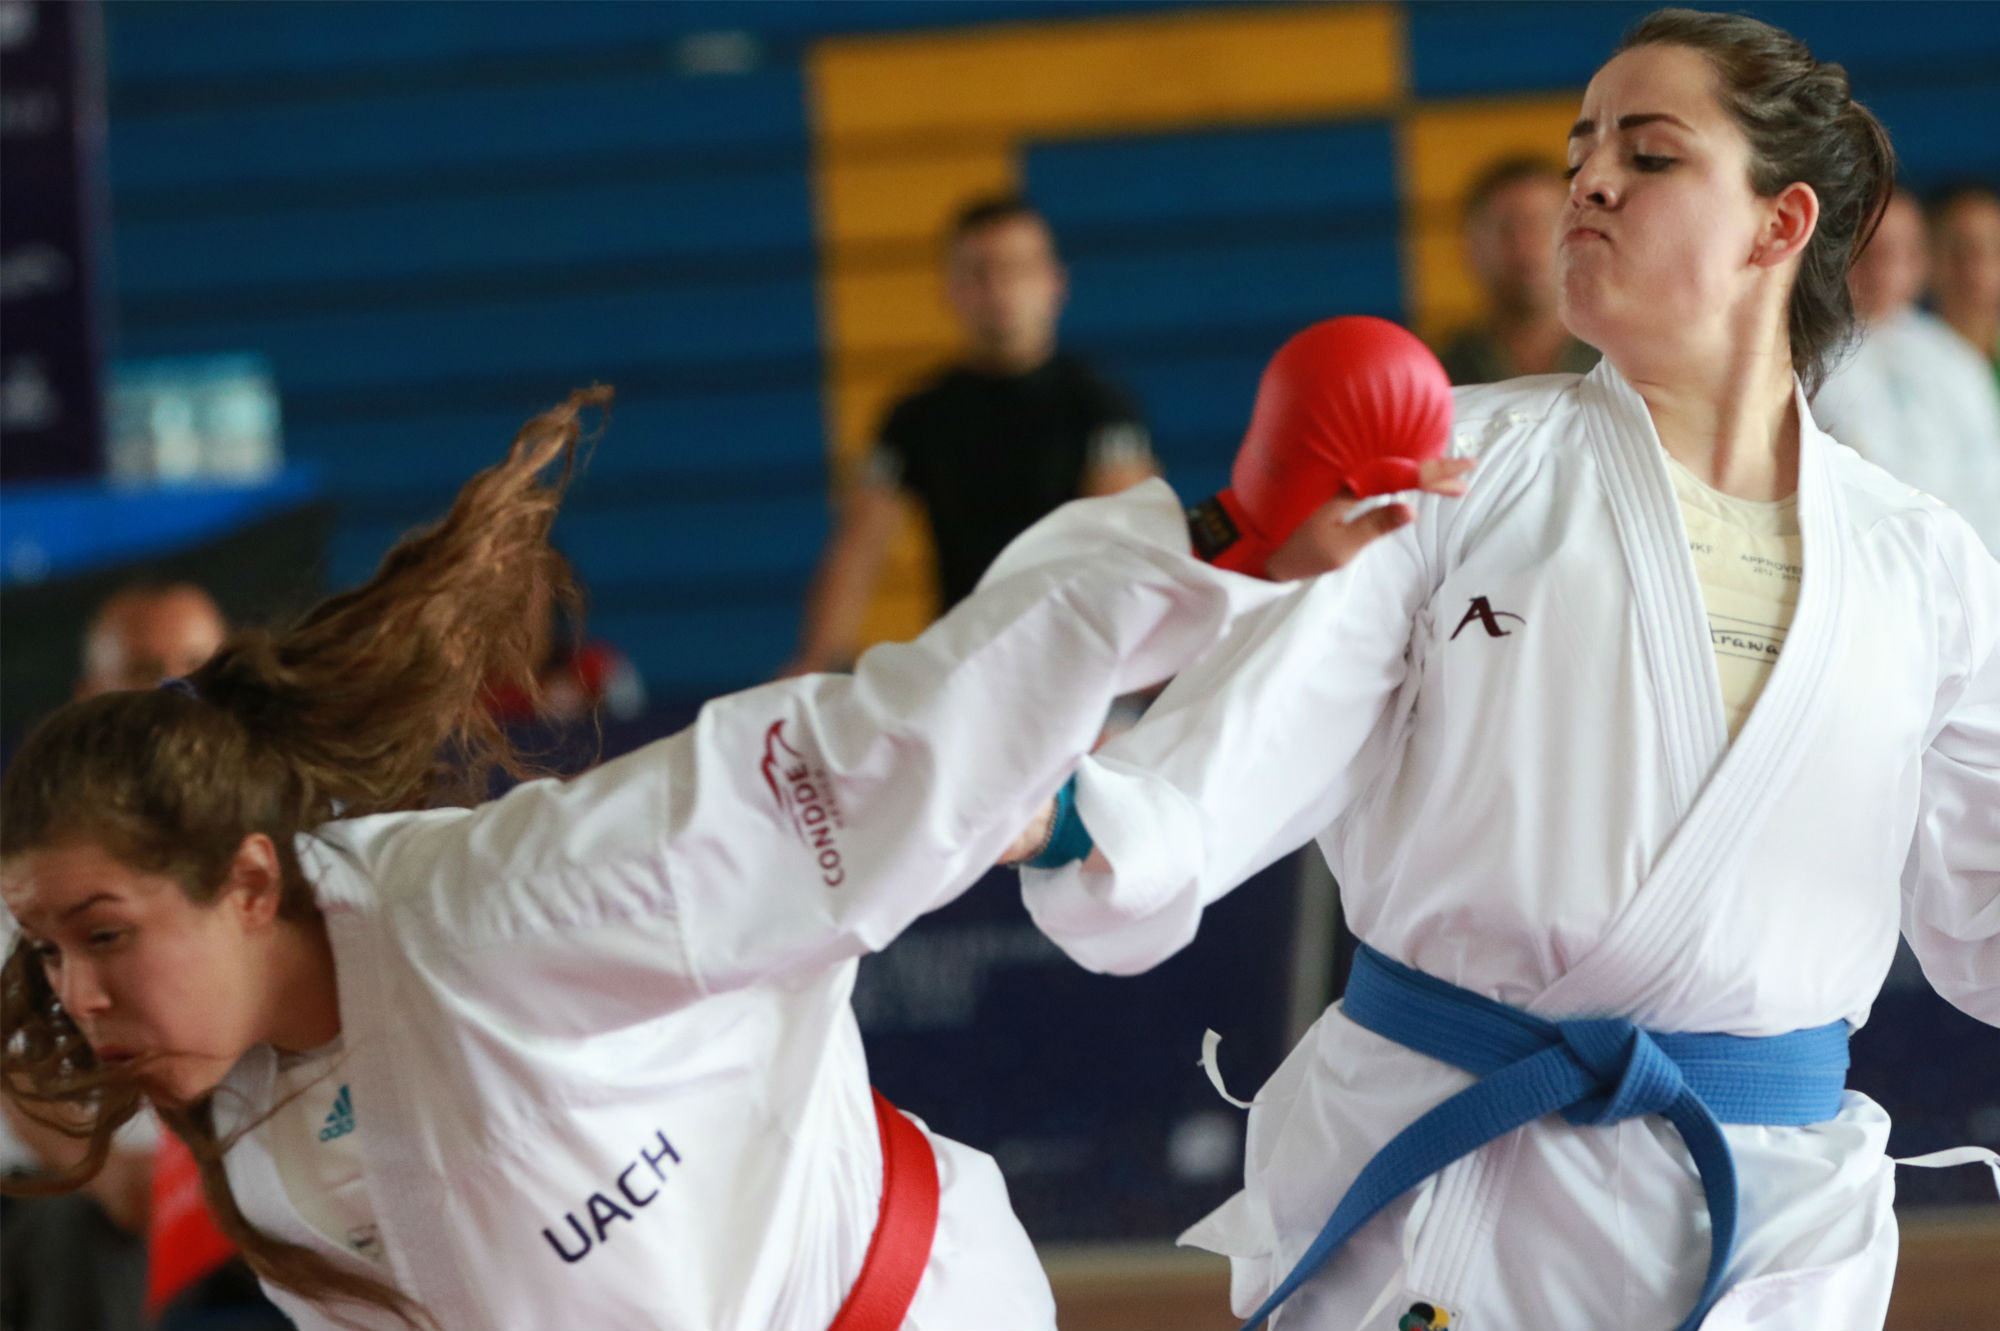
<point x="146" y="633"/>
<point x="79" y="1260"/>
<point x="1011" y="430"/>
<point x="1509" y="235"/>
<point x="1914" y="397"/>
<point x="580" y="677"/>
<point x="1965" y="266"/>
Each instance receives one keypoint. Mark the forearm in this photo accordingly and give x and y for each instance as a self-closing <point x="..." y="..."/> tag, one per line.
<point x="1244" y="758"/>
<point x="1110" y="478"/>
<point x="845" y="579"/>
<point x="833" y="609"/>
<point x="123" y="1187"/>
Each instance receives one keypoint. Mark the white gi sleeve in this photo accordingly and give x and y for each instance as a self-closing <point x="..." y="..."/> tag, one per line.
<point x="1245" y="757"/>
<point x="1951" y="880"/>
<point x="805" y="821"/>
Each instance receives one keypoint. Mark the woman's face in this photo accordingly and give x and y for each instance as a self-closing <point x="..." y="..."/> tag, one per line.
<point x="158" y="985"/>
<point x="1657" y="238"/>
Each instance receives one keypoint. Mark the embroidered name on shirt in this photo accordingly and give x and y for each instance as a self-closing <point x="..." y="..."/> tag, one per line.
<point x="603" y="1212"/>
<point x="1483" y="611"/>
<point x="341" y="1121"/>
<point x="805" y="797"/>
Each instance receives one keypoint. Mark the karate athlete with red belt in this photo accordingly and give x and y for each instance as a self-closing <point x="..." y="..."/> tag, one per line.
<point x="581" y="1056"/>
<point x="1630" y="766"/>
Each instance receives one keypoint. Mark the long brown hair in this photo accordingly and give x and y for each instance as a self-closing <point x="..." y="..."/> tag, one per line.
<point x="374" y="701"/>
<point x="1803" y="124"/>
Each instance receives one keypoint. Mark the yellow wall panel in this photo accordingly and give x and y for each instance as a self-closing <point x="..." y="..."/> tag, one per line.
<point x="887" y="308"/>
<point x="905" y="198"/>
<point x="1442" y="149"/>
<point x="1100" y="75"/>
<point x="1443" y="297"/>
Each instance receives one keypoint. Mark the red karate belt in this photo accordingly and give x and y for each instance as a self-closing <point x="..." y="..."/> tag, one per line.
<point x="904" y="1228"/>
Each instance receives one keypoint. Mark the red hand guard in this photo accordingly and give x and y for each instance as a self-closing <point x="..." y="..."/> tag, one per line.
<point x="1354" y="404"/>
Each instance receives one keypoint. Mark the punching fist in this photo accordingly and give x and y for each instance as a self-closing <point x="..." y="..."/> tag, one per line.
<point x="1348" y="409"/>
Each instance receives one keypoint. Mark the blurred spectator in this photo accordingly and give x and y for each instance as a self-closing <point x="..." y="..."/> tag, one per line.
<point x="1965" y="266"/>
<point x="144" y="634"/>
<point x="1509" y="230"/>
<point x="1914" y="397"/>
<point x="580" y="677"/>
<point x="1012" y="429"/>
<point x="78" y="1259"/>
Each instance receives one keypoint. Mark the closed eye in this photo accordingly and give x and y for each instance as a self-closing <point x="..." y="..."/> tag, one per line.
<point x="1648" y="162"/>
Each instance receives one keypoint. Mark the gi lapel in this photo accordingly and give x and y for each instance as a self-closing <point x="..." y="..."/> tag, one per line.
<point x="242" y="1101"/>
<point x="1638" y="966"/>
<point x="406" y="1178"/>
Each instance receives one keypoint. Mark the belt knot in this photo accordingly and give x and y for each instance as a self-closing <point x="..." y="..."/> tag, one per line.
<point x="1634" y="1076"/>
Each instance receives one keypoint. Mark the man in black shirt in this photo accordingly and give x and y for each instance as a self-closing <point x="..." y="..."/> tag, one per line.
<point x="988" y="445"/>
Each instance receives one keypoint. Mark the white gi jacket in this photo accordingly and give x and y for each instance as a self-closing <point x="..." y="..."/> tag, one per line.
<point x="1916" y="399"/>
<point x="616" y="1009"/>
<point x="1504" y="727"/>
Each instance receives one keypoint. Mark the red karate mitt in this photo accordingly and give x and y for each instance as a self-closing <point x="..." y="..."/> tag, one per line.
<point x="1356" y="404"/>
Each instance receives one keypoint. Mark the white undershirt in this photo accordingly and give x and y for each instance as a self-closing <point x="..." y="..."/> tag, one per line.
<point x="1748" y="557"/>
<point x="314" y="1140"/>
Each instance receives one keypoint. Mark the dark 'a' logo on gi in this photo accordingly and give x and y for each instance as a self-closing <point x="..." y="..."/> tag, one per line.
<point x="804" y="793"/>
<point x="1482" y="610"/>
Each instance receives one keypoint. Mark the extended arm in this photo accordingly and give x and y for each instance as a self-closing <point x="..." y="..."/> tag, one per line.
<point x="1244" y="757"/>
<point x="806" y="821"/>
<point x="1951" y="881"/>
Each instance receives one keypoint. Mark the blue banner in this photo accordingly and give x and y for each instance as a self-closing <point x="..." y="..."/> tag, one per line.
<point x="51" y="145"/>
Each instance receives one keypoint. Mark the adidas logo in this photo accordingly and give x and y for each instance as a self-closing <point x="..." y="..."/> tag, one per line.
<point x="341" y="1121"/>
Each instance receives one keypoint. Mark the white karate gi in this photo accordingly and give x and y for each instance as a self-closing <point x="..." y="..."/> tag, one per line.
<point x="616" y="1009"/>
<point x="1503" y="726"/>
<point x="1919" y="401"/>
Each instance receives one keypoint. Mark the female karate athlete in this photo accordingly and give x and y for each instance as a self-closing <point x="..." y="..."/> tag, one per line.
<point x="1612" y="852"/>
<point x="581" y="1056"/>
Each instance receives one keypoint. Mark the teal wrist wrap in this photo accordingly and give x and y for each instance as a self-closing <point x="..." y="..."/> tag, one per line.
<point x="1069" y="839"/>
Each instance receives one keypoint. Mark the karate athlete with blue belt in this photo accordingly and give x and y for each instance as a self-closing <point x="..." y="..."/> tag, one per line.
<point x="1630" y="766"/>
<point x="580" y="1057"/>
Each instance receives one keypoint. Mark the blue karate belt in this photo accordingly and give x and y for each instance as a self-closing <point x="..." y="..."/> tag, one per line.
<point x="1599" y="1070"/>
